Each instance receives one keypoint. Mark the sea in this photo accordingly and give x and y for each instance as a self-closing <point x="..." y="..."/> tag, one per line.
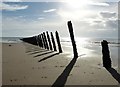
<point x="86" y="47"/>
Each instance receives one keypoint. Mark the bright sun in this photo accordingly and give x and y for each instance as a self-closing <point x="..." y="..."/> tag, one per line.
<point x="75" y="9"/>
<point x="77" y="3"/>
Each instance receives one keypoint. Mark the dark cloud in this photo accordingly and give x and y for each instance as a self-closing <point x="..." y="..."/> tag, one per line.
<point x="112" y="24"/>
<point x="107" y="25"/>
<point x="97" y="21"/>
<point x="108" y="14"/>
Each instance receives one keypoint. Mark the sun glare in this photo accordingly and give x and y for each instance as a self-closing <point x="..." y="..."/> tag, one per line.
<point x="75" y="9"/>
<point x="77" y="3"/>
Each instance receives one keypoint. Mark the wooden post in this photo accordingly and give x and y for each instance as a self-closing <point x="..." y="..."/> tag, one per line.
<point x="106" y="54"/>
<point x="36" y="40"/>
<point x="53" y="41"/>
<point x="46" y="41"/>
<point x="72" y="39"/>
<point x="43" y="40"/>
<point x="40" y="41"/>
<point x="31" y="40"/>
<point x="58" y="42"/>
<point x="50" y="45"/>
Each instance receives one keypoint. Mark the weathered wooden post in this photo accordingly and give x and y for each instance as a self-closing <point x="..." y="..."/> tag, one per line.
<point x="53" y="41"/>
<point x="106" y="54"/>
<point x="50" y="45"/>
<point x="40" y="41"/>
<point x="72" y="39"/>
<point x="46" y="40"/>
<point x="36" y="40"/>
<point x="43" y="40"/>
<point x="58" y="42"/>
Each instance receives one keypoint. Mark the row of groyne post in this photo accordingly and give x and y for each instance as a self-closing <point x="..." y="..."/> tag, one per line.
<point x="48" y="41"/>
<point x="45" y="40"/>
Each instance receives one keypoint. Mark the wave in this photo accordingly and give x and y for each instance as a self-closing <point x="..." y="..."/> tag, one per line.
<point x="10" y="39"/>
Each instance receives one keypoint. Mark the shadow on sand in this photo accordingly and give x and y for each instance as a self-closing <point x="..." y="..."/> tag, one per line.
<point x="38" y="52"/>
<point x="48" y="57"/>
<point x="29" y="50"/>
<point x="44" y="54"/>
<point x="114" y="73"/>
<point x="61" y="80"/>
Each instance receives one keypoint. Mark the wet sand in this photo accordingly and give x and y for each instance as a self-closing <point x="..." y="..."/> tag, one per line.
<point x="25" y="64"/>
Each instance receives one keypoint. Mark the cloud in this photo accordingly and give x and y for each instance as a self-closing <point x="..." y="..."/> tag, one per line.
<point x="112" y="24"/>
<point x="50" y="10"/>
<point x="86" y="22"/>
<point x="62" y="0"/>
<point x="81" y="27"/>
<point x="11" y="0"/>
<point x="14" y="7"/>
<point x="76" y="14"/>
<point x="41" y="18"/>
<point x="99" y="4"/>
<point x="108" y="14"/>
<point x="109" y="24"/>
<point x="21" y="27"/>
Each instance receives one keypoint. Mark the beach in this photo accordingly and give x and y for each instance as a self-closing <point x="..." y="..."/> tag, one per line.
<point x="26" y="64"/>
<point x="59" y="43"/>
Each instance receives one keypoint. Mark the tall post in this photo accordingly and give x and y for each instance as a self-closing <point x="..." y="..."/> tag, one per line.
<point x="58" y="42"/>
<point x="106" y="54"/>
<point x="72" y="39"/>
<point x="46" y="40"/>
<point x="43" y="40"/>
<point x="40" y="41"/>
<point x="53" y="41"/>
<point x="50" y="45"/>
<point x="36" y="40"/>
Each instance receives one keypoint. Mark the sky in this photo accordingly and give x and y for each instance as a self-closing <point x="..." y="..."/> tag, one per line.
<point x="96" y="18"/>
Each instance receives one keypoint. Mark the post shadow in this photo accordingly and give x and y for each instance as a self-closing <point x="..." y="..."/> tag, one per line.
<point x="58" y="42"/>
<point x="61" y="80"/>
<point x="30" y="50"/>
<point x="50" y="56"/>
<point x="107" y="61"/>
<point x="114" y="73"/>
<point x="43" y="54"/>
<point x="53" y="42"/>
<point x="50" y="45"/>
<point x="38" y="52"/>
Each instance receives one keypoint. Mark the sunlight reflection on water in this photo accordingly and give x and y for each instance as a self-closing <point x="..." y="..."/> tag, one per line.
<point x="90" y="48"/>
